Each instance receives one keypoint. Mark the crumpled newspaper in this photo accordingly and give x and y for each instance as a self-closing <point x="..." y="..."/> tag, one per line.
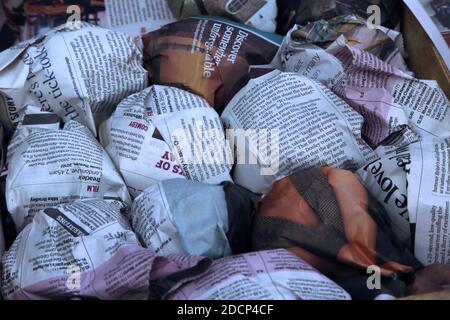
<point x="87" y="249"/>
<point x="328" y="218"/>
<point x="260" y="14"/>
<point x="412" y="182"/>
<point x="264" y="275"/>
<point x="48" y="165"/>
<point x="384" y="43"/>
<point x="181" y="216"/>
<point x="166" y="133"/>
<point x="287" y="122"/>
<point x="2" y="212"/>
<point x="79" y="74"/>
<point x="386" y="179"/>
<point x="301" y="12"/>
<point x="431" y="283"/>
<point x="2" y="235"/>
<point x="309" y="60"/>
<point x="387" y="97"/>
<point x="213" y="63"/>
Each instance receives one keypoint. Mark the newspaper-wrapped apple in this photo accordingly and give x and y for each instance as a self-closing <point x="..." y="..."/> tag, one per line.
<point x="264" y="275"/>
<point x="213" y="63"/>
<point x="411" y="181"/>
<point x="166" y="133"/>
<point x="328" y="218"/>
<point x="48" y="165"/>
<point x="181" y="216"/>
<point x="87" y="249"/>
<point x="284" y="122"/>
<point x="80" y="74"/>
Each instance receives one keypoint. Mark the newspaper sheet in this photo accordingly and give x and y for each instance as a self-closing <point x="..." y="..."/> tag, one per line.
<point x="48" y="166"/>
<point x="85" y="250"/>
<point x="304" y="125"/>
<point x="264" y="275"/>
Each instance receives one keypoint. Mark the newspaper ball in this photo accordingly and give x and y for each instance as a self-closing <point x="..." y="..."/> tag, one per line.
<point x="411" y="182"/>
<point x="181" y="216"/>
<point x="79" y="74"/>
<point x="87" y="249"/>
<point x="328" y="218"/>
<point x="165" y="133"/>
<point x="47" y="166"/>
<point x="264" y="275"/>
<point x="213" y="63"/>
<point x="285" y="122"/>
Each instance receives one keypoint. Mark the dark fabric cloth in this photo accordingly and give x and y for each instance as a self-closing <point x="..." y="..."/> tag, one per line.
<point x="241" y="205"/>
<point x="10" y="30"/>
<point x="275" y="233"/>
<point x="161" y="286"/>
<point x="318" y="193"/>
<point x="9" y="227"/>
<point x="357" y="285"/>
